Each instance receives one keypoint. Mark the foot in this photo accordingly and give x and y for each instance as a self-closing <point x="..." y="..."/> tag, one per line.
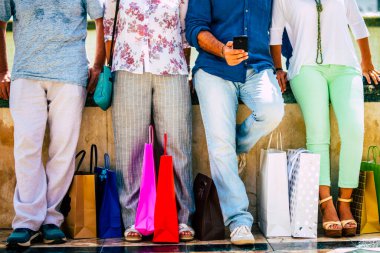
<point x="186" y="233"/>
<point x="242" y="162"/>
<point x="22" y="237"/>
<point x="329" y="214"/>
<point x="52" y="234"/>
<point x="345" y="213"/>
<point x="132" y="235"/>
<point x="242" y="236"/>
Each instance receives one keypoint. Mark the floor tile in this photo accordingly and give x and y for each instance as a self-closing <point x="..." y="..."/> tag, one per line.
<point x="145" y="249"/>
<point x="54" y="250"/>
<point x="310" y="245"/>
<point x="122" y="242"/>
<point x="258" y="247"/>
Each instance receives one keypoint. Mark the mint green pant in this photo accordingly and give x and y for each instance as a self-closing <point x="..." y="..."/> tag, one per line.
<point x="313" y="88"/>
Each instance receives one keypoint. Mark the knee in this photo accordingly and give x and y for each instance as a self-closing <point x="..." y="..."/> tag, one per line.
<point x="271" y="115"/>
<point x="352" y="132"/>
<point x="220" y="147"/>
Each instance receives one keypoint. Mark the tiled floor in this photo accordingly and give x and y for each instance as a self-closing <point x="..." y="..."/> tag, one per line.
<point x="360" y="244"/>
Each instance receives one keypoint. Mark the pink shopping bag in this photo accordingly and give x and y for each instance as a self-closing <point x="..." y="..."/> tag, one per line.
<point x="147" y="201"/>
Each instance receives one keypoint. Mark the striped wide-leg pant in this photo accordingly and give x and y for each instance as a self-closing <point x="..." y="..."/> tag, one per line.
<point x="137" y="99"/>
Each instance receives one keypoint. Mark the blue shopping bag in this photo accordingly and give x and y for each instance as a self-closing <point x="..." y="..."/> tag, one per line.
<point x="107" y="202"/>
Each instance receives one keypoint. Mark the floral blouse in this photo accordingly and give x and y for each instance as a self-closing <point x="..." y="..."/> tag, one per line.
<point x="150" y="36"/>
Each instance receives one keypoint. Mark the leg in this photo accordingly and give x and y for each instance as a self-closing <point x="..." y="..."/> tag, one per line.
<point x="262" y="95"/>
<point x="172" y="114"/>
<point x="65" y="103"/>
<point x="348" y="101"/>
<point x="131" y="112"/>
<point x="219" y="102"/>
<point x="28" y="106"/>
<point x="310" y="89"/>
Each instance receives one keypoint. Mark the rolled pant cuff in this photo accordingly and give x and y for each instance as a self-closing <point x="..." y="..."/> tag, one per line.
<point x="325" y="183"/>
<point x="232" y="227"/>
<point x="348" y="185"/>
<point x="35" y="228"/>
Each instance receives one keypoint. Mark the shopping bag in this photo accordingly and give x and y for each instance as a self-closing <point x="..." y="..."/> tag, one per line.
<point x="372" y="165"/>
<point x="147" y="200"/>
<point x="364" y="206"/>
<point x="107" y="202"/>
<point x="208" y="219"/>
<point x="166" y="228"/>
<point x="274" y="219"/>
<point x="303" y="177"/>
<point x="80" y="215"/>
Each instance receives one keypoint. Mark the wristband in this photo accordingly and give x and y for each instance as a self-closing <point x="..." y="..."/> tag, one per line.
<point x="278" y="69"/>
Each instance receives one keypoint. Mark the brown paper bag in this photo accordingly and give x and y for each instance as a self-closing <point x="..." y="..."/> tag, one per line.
<point x="365" y="204"/>
<point x="80" y="217"/>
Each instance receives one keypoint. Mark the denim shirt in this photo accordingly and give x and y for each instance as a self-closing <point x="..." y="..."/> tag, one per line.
<point x="226" y="19"/>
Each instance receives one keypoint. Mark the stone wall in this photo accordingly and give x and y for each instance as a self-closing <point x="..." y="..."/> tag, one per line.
<point x="97" y="128"/>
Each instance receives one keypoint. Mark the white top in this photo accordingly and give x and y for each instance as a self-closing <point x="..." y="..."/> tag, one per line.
<point x="300" y="17"/>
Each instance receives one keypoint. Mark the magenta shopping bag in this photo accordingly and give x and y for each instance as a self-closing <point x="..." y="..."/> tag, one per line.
<point x="147" y="201"/>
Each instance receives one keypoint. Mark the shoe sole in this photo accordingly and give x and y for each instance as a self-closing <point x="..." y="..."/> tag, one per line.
<point x="131" y="239"/>
<point x="349" y="232"/>
<point x="24" y="244"/>
<point x="55" y="241"/>
<point x="244" y="242"/>
<point x="186" y="239"/>
<point x="333" y="233"/>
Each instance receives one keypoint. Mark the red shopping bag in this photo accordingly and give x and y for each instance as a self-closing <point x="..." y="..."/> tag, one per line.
<point x="165" y="219"/>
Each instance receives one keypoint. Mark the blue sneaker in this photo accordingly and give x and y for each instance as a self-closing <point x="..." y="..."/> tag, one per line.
<point x="51" y="234"/>
<point x="22" y="237"/>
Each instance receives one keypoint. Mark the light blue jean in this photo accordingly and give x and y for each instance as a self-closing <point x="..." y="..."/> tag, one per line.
<point x="219" y="100"/>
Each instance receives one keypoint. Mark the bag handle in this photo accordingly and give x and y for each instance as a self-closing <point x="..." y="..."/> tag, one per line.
<point x="374" y="156"/>
<point x="279" y="138"/>
<point x="82" y="155"/>
<point x="151" y="135"/>
<point x="165" y="142"/>
<point x="107" y="161"/>
<point x="93" y="158"/>
<point x="113" y="32"/>
<point x="292" y="161"/>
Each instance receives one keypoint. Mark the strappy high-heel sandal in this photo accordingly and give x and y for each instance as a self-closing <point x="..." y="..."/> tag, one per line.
<point x="328" y="226"/>
<point x="351" y="231"/>
<point x="132" y="235"/>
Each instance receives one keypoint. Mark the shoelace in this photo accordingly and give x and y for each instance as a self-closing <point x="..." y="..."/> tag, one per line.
<point x="239" y="230"/>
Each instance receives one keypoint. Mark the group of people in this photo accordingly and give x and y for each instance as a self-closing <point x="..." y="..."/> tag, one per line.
<point x="51" y="77"/>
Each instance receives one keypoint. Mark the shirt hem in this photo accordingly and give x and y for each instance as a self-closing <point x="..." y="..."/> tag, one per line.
<point x="37" y="78"/>
<point x="152" y="72"/>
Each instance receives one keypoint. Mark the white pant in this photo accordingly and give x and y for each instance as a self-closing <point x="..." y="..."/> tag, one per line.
<point x="39" y="191"/>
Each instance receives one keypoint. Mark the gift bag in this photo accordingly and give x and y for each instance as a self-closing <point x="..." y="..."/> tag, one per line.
<point x="303" y="176"/>
<point x="274" y="219"/>
<point x="80" y="207"/>
<point x="375" y="167"/>
<point x="166" y="228"/>
<point x="147" y="201"/>
<point x="208" y="219"/>
<point x="364" y="206"/>
<point x="107" y="202"/>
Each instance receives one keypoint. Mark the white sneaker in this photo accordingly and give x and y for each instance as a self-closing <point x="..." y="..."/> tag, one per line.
<point x="241" y="236"/>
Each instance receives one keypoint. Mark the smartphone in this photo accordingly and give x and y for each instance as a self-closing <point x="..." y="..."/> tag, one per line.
<point x="241" y="42"/>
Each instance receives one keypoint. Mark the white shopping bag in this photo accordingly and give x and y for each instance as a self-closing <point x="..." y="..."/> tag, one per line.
<point x="303" y="175"/>
<point x="274" y="218"/>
